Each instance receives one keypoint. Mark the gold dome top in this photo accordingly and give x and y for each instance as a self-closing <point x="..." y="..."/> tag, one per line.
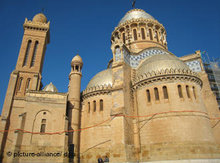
<point x="135" y="14"/>
<point x="40" y="18"/>
<point x="77" y="60"/>
<point x="101" y="79"/>
<point x="159" y="62"/>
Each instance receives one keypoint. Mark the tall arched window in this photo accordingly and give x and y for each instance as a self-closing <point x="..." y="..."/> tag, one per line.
<point x="123" y="37"/>
<point x="143" y="34"/>
<point x="27" y="53"/>
<point x="180" y="91"/>
<point x="165" y="92"/>
<point x="156" y="94"/>
<point x="187" y="91"/>
<point x="94" y="106"/>
<point x="157" y="36"/>
<point x="101" y="105"/>
<point x="43" y="126"/>
<point x="194" y="91"/>
<point x="88" y="107"/>
<point x="28" y="84"/>
<point x="20" y="83"/>
<point x="77" y="68"/>
<point x="151" y="35"/>
<point x="116" y="35"/>
<point x="148" y="95"/>
<point x="117" y="50"/>
<point x="117" y="53"/>
<point x="34" y="54"/>
<point x="135" y="34"/>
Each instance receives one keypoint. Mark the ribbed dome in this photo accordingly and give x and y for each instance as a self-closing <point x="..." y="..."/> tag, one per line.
<point x="135" y="14"/>
<point x="41" y="18"/>
<point x="101" y="79"/>
<point x="161" y="62"/>
<point x="50" y="88"/>
<point x="77" y="59"/>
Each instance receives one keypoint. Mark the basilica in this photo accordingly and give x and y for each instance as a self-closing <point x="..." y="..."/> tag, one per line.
<point x="147" y="106"/>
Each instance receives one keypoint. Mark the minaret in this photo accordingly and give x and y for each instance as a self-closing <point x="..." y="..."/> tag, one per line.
<point x="27" y="74"/>
<point x="74" y="103"/>
<point x="31" y="56"/>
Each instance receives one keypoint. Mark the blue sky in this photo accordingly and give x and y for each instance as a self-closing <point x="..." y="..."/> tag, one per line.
<point x="85" y="27"/>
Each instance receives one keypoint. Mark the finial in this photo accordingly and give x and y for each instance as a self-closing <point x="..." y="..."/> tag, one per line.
<point x="133" y="3"/>
<point x="42" y="10"/>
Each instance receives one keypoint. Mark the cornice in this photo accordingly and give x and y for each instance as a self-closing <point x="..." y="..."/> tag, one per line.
<point x="165" y="75"/>
<point x="96" y="90"/>
<point x="32" y="92"/>
<point x="28" y="24"/>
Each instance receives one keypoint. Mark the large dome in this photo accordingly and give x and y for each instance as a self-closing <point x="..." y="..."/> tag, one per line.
<point x="135" y="14"/>
<point x="101" y="79"/>
<point x="159" y="62"/>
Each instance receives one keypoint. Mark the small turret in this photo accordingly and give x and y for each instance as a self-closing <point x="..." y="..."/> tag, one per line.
<point x="74" y="103"/>
<point x="77" y="63"/>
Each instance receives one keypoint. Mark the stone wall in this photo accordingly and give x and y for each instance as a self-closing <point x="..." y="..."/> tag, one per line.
<point x="27" y="114"/>
<point x="162" y="135"/>
<point x="95" y="141"/>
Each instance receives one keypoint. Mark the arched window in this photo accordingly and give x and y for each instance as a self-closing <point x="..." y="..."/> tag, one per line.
<point x="116" y="35"/>
<point x="180" y="91"/>
<point x="148" y="95"/>
<point x="165" y="92"/>
<point x="187" y="91"/>
<point x="20" y="83"/>
<point x="94" y="106"/>
<point x="123" y="37"/>
<point x="28" y="84"/>
<point x="27" y="53"/>
<point x="135" y="34"/>
<point x="194" y="91"/>
<point x="113" y="39"/>
<point x="77" y="68"/>
<point x="157" y="36"/>
<point x="151" y="35"/>
<point x="117" y="50"/>
<point x="156" y="94"/>
<point x="117" y="53"/>
<point x="88" y="107"/>
<point x="143" y="34"/>
<point x="34" y="54"/>
<point x="101" y="105"/>
<point x="43" y="126"/>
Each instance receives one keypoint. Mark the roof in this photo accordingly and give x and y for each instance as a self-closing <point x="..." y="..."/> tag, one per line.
<point x="40" y="18"/>
<point x="159" y="62"/>
<point x="50" y="88"/>
<point x="102" y="78"/>
<point x="135" y="14"/>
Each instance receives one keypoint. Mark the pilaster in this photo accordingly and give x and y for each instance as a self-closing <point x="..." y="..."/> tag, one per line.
<point x="121" y="126"/>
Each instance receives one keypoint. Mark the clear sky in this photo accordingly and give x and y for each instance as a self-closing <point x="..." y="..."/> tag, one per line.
<point x="85" y="27"/>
